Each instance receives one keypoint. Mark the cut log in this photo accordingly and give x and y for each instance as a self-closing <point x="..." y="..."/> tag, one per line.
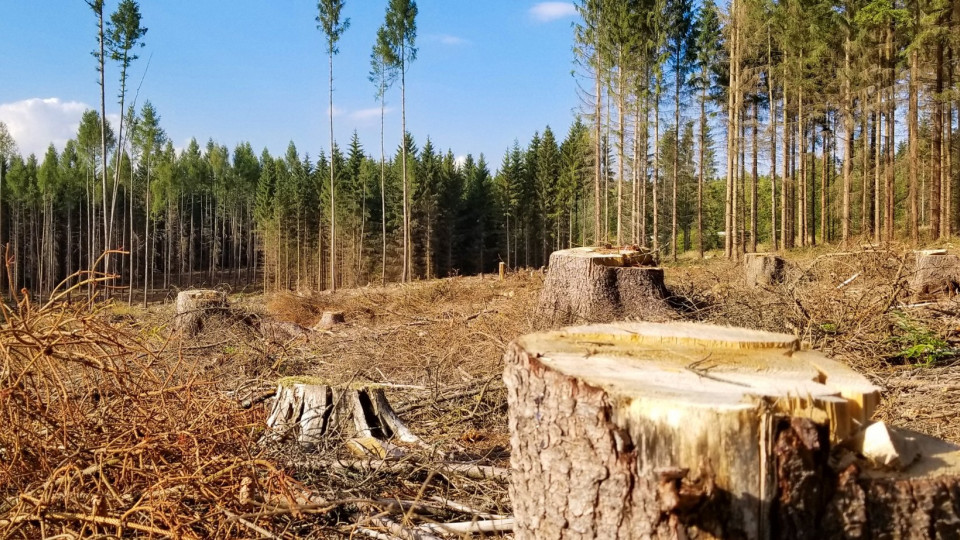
<point x="763" y="269"/>
<point x="329" y="319"/>
<point x="310" y="411"/>
<point x="937" y="273"/>
<point x="643" y="430"/>
<point x="592" y="284"/>
<point x="195" y="306"/>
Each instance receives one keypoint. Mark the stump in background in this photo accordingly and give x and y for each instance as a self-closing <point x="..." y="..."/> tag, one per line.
<point x="194" y="306"/>
<point x="591" y="284"/>
<point x="937" y="273"/>
<point x="309" y="410"/>
<point x="329" y="319"/>
<point x="763" y="269"/>
<point x="640" y="430"/>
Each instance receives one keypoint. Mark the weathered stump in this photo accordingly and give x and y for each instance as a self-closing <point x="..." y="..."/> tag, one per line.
<point x="763" y="269"/>
<point x="937" y="273"/>
<point x="591" y="284"/>
<point x="643" y="430"/>
<point x="309" y="410"/>
<point x="195" y="306"/>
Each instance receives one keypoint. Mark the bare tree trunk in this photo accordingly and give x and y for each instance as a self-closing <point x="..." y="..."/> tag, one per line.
<point x="936" y="141"/>
<point x="877" y="194"/>
<point x="754" y="179"/>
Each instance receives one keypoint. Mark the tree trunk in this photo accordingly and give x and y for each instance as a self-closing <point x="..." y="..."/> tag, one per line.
<point x="596" y="285"/>
<point x="640" y="430"/>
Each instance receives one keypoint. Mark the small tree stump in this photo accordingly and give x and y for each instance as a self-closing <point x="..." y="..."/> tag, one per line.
<point x="937" y="273"/>
<point x="309" y="410"/>
<point x="592" y="284"/>
<point x="763" y="269"/>
<point x="194" y="306"/>
<point x="643" y="430"/>
<point x="329" y="319"/>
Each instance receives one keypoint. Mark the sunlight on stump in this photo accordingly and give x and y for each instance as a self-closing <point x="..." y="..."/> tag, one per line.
<point x="329" y="319"/>
<point x="310" y="411"/>
<point x="592" y="284"/>
<point x="503" y="270"/>
<point x="194" y="306"/>
<point x="763" y="269"/>
<point x="640" y="430"/>
<point x="937" y="273"/>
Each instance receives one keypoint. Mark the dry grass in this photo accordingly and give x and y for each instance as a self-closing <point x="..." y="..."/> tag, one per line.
<point x="114" y="427"/>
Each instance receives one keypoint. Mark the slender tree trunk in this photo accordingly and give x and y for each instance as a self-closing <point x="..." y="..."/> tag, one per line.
<point x="598" y="151"/>
<point x="621" y="135"/>
<point x="676" y="164"/>
<point x="406" y="271"/>
<point x="701" y="166"/>
<point x="936" y="141"/>
<point x="754" y="180"/>
<point x="656" y="167"/>
<point x="877" y="195"/>
<point x="825" y="149"/>
<point x="848" y="145"/>
<point x="333" y="196"/>
<point x="785" y="237"/>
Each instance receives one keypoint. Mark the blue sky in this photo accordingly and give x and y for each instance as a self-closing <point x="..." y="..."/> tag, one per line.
<point x="487" y="72"/>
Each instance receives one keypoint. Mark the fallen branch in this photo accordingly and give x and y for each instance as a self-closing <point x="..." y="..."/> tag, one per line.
<point x="469" y="470"/>
<point x="467" y="527"/>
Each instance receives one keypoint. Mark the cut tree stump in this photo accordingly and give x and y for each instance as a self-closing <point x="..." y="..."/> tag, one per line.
<point x="328" y="320"/>
<point x="591" y="284"/>
<point x="763" y="269"/>
<point x="681" y="430"/>
<point x="194" y="306"/>
<point x="937" y="273"/>
<point x="309" y="410"/>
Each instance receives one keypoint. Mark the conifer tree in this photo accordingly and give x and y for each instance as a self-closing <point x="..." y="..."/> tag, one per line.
<point x="333" y="27"/>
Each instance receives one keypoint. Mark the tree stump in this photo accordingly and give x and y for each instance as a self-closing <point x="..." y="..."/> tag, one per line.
<point x="763" y="269"/>
<point x="329" y="319"/>
<point x="680" y="430"/>
<point x="194" y="306"/>
<point x="592" y="284"/>
<point x="310" y="411"/>
<point x="937" y="273"/>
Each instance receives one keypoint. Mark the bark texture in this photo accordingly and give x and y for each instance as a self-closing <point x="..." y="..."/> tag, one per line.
<point x="763" y="269"/>
<point x="599" y="285"/>
<point x="642" y="430"/>
<point x="937" y="273"/>
<point x="194" y="306"/>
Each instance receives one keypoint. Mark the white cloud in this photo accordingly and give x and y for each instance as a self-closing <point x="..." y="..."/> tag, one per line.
<point x="552" y="11"/>
<point x="337" y="111"/>
<point x="35" y="123"/>
<point x="447" y="39"/>
<point x="460" y="161"/>
<point x="365" y="115"/>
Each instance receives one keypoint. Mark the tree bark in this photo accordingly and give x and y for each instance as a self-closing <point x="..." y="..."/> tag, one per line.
<point x="596" y="285"/>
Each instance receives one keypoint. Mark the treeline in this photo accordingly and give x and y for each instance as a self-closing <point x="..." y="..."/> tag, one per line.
<point x="814" y="99"/>
<point x="209" y="214"/>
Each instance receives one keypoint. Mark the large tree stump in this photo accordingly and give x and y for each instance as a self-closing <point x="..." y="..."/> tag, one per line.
<point x="643" y="430"/>
<point x="591" y="284"/>
<point x="937" y="273"/>
<point x="194" y="306"/>
<point x="763" y="269"/>
<point x="310" y="411"/>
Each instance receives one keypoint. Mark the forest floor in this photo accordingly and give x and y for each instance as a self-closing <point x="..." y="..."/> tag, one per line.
<point x="114" y="425"/>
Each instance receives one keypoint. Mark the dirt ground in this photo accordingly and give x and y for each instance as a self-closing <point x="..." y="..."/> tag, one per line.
<point x="122" y="428"/>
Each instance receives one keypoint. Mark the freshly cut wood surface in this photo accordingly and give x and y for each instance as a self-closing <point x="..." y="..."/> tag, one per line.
<point x="644" y="430"/>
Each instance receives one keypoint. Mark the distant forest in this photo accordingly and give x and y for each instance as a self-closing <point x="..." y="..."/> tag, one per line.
<point x="770" y="126"/>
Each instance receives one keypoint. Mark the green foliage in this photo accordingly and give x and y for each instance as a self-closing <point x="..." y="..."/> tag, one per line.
<point x="917" y="343"/>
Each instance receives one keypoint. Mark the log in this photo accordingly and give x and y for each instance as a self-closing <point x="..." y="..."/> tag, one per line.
<point x="195" y="306"/>
<point x="763" y="269"/>
<point x="681" y="430"/>
<point x="591" y="284"/>
<point x="310" y="411"/>
<point x="937" y="273"/>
